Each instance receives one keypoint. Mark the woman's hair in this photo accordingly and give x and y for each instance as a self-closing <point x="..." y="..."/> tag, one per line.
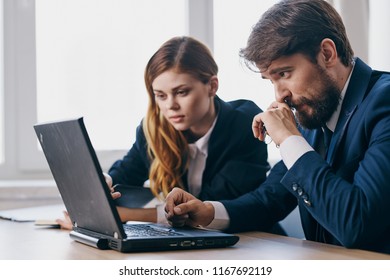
<point x="295" y="26"/>
<point x="167" y="147"/>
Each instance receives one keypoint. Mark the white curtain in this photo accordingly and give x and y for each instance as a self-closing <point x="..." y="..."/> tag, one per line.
<point x="367" y="23"/>
<point x="355" y="14"/>
<point x="379" y="35"/>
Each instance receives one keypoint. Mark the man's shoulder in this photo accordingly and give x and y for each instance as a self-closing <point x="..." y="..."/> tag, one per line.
<point x="379" y="83"/>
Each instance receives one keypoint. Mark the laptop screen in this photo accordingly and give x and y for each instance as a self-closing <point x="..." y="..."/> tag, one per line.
<point x="77" y="172"/>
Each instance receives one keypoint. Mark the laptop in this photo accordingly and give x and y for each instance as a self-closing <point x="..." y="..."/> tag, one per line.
<point x="81" y="183"/>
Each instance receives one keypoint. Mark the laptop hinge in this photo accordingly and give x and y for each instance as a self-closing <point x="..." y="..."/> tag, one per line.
<point x="100" y="243"/>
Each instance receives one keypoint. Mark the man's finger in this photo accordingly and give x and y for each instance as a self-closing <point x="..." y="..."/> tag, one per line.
<point x="257" y="125"/>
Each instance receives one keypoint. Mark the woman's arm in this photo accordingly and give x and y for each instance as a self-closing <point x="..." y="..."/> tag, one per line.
<point x="137" y="214"/>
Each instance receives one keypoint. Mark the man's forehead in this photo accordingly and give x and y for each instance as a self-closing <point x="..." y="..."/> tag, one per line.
<point x="276" y="63"/>
<point x="281" y="63"/>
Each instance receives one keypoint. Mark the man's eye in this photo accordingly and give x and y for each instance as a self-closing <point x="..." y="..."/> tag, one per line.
<point x="284" y="74"/>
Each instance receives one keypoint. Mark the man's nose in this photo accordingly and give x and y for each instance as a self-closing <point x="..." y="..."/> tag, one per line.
<point x="281" y="93"/>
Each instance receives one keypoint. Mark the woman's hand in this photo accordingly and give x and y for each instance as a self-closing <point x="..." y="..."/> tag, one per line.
<point x="114" y="194"/>
<point x="65" y="223"/>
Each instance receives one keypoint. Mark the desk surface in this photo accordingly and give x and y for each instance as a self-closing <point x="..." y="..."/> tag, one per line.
<point x="24" y="240"/>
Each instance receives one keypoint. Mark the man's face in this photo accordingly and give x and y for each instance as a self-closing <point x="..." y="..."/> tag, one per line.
<point x="305" y="86"/>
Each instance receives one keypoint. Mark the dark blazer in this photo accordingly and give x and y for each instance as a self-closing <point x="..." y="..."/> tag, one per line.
<point x="345" y="199"/>
<point x="236" y="163"/>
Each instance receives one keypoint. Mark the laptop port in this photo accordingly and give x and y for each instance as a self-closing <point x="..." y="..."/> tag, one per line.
<point x="186" y="243"/>
<point x="173" y="244"/>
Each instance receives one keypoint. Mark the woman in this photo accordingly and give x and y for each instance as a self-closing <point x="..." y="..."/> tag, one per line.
<point x="189" y="138"/>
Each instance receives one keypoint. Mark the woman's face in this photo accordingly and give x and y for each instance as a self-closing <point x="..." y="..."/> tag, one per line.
<point x="186" y="102"/>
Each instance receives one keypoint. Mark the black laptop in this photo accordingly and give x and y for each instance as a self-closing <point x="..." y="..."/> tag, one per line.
<point x="80" y="180"/>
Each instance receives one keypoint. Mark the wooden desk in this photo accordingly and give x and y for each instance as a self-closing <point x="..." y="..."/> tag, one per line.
<point x="25" y="241"/>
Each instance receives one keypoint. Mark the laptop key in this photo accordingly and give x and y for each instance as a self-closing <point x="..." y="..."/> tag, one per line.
<point x="146" y="230"/>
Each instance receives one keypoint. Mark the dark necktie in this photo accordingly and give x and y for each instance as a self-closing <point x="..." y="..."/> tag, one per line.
<point x="324" y="137"/>
<point x="327" y="137"/>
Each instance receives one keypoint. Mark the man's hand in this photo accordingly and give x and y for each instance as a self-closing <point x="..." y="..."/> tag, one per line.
<point x="278" y="122"/>
<point x="183" y="208"/>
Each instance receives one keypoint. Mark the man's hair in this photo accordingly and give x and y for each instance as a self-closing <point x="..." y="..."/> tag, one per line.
<point x="295" y="26"/>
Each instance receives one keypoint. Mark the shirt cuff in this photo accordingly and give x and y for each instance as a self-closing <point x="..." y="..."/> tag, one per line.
<point x="161" y="218"/>
<point x="293" y="148"/>
<point x="221" y="217"/>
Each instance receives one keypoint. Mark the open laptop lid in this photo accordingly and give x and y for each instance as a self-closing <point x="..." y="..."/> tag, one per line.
<point x="77" y="172"/>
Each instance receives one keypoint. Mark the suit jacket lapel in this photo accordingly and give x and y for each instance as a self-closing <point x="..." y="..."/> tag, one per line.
<point x="311" y="136"/>
<point x="353" y="97"/>
<point x="217" y="138"/>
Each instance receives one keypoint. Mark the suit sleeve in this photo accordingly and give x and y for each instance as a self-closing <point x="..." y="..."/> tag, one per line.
<point x="133" y="168"/>
<point x="263" y="207"/>
<point x="352" y="202"/>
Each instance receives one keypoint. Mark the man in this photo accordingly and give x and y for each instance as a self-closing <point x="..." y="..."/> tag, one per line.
<point x="342" y="188"/>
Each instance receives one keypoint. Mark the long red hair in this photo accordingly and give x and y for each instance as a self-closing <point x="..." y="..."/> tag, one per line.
<point x="167" y="147"/>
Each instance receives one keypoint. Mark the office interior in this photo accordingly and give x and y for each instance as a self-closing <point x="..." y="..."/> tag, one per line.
<point x="70" y="58"/>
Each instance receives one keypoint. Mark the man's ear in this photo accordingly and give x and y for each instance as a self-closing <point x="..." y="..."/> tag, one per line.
<point x="328" y="53"/>
<point x="213" y="86"/>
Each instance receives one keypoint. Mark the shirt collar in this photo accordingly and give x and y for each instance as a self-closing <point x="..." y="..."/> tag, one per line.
<point x="331" y="124"/>
<point x="202" y="143"/>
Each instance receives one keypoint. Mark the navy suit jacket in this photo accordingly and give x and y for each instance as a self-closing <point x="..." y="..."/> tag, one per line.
<point x="236" y="163"/>
<point x="345" y="199"/>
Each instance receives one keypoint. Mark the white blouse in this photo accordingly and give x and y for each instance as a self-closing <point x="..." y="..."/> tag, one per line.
<point x="197" y="164"/>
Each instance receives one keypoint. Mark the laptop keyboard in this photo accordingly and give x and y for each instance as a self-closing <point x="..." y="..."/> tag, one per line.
<point x="140" y="230"/>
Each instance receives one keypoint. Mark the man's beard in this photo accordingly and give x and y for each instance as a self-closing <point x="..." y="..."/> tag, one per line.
<point x="323" y="105"/>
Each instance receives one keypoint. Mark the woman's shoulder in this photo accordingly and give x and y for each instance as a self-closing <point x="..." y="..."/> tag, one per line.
<point x="248" y="107"/>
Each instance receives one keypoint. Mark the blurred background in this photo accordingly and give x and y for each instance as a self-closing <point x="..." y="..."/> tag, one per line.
<point x="65" y="59"/>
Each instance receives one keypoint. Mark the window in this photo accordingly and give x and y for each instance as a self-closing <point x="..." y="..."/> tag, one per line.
<point x="90" y="61"/>
<point x="71" y="58"/>
<point x="80" y="58"/>
<point x="1" y="85"/>
<point x="236" y="81"/>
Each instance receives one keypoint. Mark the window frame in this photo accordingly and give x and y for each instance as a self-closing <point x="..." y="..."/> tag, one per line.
<point x="22" y="158"/>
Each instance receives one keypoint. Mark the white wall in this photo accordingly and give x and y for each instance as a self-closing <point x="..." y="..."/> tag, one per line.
<point x="379" y="34"/>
